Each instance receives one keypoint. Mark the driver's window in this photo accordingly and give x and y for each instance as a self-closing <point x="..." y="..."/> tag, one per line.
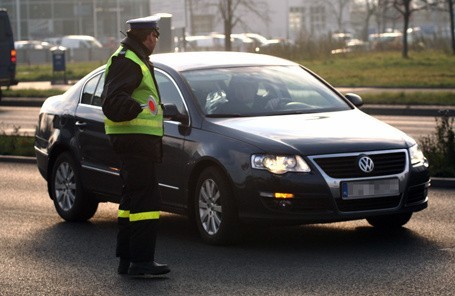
<point x="169" y="92"/>
<point x="89" y="90"/>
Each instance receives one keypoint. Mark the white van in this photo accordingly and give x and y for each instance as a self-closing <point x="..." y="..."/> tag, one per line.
<point x="80" y="41"/>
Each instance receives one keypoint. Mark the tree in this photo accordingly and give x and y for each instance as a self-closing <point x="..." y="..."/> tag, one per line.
<point x="406" y="8"/>
<point x="383" y="14"/>
<point x="231" y="13"/>
<point x="338" y="9"/>
<point x="452" y="25"/>
<point x="371" y="9"/>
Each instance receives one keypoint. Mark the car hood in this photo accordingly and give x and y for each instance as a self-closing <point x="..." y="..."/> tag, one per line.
<point x="312" y="134"/>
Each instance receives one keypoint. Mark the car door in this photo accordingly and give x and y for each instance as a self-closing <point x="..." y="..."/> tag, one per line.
<point x="171" y="170"/>
<point x="100" y="166"/>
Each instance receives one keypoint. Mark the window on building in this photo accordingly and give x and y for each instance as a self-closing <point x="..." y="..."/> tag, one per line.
<point x="202" y="24"/>
<point x="318" y="19"/>
<point x="40" y="10"/>
<point x="296" y="19"/>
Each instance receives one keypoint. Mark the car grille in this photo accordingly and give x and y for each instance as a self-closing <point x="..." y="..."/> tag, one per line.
<point x="347" y="166"/>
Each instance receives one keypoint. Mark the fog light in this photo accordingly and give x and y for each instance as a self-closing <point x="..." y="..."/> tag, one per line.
<point x="283" y="195"/>
<point x="284" y="204"/>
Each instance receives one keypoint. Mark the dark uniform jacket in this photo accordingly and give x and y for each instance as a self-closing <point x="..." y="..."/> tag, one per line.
<point x="123" y="77"/>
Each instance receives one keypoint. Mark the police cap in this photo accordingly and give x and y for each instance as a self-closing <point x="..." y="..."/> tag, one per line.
<point x="149" y="22"/>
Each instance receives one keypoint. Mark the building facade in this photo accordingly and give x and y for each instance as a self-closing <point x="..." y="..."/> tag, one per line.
<point x="287" y="19"/>
<point x="42" y="19"/>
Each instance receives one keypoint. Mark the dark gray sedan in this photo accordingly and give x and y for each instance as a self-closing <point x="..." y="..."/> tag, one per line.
<point x="249" y="138"/>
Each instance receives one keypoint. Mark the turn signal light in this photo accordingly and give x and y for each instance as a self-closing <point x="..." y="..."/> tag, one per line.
<point x="283" y="195"/>
<point x="13" y="56"/>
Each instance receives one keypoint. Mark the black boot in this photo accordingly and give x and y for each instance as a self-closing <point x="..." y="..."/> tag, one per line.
<point x="123" y="266"/>
<point x="147" y="269"/>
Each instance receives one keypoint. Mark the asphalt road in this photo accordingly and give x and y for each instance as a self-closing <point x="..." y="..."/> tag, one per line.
<point x="42" y="255"/>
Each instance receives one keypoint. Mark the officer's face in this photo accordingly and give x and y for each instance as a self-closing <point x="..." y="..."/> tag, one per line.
<point x="151" y="40"/>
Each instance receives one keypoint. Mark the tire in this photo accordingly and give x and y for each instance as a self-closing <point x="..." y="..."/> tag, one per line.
<point x="390" y="222"/>
<point x="67" y="192"/>
<point x="215" y="212"/>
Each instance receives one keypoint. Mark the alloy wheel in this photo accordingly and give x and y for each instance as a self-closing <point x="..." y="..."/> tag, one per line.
<point x="65" y="186"/>
<point x="210" y="211"/>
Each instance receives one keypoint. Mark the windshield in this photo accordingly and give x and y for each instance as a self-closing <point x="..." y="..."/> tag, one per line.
<point x="259" y="91"/>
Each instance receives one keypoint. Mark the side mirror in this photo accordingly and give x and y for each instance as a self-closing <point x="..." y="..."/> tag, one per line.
<point x="170" y="112"/>
<point x="356" y="100"/>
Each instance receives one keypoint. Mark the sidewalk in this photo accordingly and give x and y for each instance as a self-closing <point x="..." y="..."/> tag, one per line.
<point x="40" y="85"/>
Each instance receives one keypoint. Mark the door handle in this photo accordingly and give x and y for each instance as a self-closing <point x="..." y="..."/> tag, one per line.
<point x="81" y="124"/>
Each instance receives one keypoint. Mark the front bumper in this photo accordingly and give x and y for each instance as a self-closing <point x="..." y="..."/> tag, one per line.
<point x="317" y="198"/>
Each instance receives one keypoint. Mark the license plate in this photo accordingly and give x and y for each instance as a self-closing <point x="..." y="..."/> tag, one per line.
<point x="370" y="188"/>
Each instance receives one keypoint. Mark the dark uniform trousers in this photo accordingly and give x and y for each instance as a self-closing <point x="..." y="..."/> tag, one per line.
<point x="140" y="204"/>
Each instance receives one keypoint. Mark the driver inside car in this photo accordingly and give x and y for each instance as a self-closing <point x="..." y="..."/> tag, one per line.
<point x="241" y="97"/>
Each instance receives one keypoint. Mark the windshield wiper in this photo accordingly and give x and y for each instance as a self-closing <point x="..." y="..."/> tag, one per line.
<point x="225" y="115"/>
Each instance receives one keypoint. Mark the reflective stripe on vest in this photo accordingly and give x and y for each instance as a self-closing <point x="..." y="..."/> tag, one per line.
<point x="138" y="216"/>
<point x="145" y="122"/>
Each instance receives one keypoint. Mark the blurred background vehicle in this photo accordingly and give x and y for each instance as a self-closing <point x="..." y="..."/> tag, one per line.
<point x="32" y="44"/>
<point x="243" y="42"/>
<point x="76" y="41"/>
<point x="7" y="53"/>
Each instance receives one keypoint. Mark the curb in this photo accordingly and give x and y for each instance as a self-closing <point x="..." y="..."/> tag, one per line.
<point x="22" y="102"/>
<point x="407" y="110"/>
<point x="17" y="159"/>
<point x="436" y="182"/>
<point x="448" y="183"/>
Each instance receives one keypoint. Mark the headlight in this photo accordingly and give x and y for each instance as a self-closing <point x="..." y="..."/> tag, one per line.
<point x="279" y="164"/>
<point x="417" y="157"/>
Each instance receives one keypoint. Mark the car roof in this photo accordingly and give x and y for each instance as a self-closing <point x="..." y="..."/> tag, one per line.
<point x="183" y="61"/>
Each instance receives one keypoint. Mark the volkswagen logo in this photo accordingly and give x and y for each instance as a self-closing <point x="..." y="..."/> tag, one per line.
<point x="366" y="164"/>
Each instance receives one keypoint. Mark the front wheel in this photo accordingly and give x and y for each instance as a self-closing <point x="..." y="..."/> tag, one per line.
<point x="389" y="222"/>
<point x="215" y="211"/>
<point x="67" y="192"/>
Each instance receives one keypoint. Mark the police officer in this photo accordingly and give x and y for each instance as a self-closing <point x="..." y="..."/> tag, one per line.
<point x="134" y="123"/>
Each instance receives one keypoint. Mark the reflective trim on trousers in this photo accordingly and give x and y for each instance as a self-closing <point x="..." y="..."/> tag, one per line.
<point x="123" y="214"/>
<point x="144" y="216"/>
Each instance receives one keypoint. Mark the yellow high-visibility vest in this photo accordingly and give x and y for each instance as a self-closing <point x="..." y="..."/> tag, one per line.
<point x="145" y="122"/>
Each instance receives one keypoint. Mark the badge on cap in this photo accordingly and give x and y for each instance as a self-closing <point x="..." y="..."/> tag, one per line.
<point x="152" y="105"/>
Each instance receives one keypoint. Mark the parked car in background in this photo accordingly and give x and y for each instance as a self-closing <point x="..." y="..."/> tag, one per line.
<point x="243" y="42"/>
<point x="75" y="41"/>
<point x="393" y="39"/>
<point x="298" y="152"/>
<point x="261" y="43"/>
<point x="80" y="41"/>
<point x="32" y="44"/>
<point x="7" y="53"/>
